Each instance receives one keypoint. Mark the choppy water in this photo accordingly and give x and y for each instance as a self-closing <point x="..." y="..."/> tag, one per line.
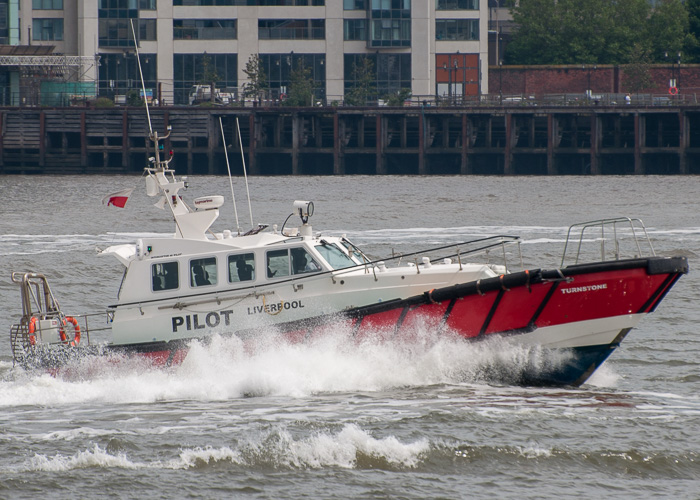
<point x="333" y="419"/>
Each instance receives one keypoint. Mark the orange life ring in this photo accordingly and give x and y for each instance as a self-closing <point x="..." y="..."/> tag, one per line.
<point x="32" y="330"/>
<point x="283" y="97"/>
<point x="672" y="90"/>
<point x="76" y="328"/>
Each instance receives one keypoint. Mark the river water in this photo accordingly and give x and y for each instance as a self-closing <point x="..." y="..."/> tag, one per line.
<point x="339" y="420"/>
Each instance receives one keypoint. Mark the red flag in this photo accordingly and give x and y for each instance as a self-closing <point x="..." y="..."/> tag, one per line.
<point x="117" y="199"/>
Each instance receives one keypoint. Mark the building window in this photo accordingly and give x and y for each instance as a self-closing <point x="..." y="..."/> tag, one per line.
<point x="355" y="4"/>
<point x="117" y="9"/>
<point x="148" y="5"/>
<point x="457" y="5"/>
<point x="292" y="29"/>
<point x="192" y="69"/>
<point x="47" y="29"/>
<point x="4" y="29"/>
<point x="257" y="3"/>
<point x="117" y="32"/>
<point x="355" y="29"/>
<point x="390" y="33"/>
<point x="390" y="23"/>
<point x="392" y="72"/>
<point x="164" y="276"/>
<point x="457" y="29"/>
<point x="204" y="29"/>
<point x="278" y="67"/>
<point x="47" y="4"/>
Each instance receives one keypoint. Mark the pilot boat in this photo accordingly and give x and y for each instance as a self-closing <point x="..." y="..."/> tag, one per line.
<point x="199" y="283"/>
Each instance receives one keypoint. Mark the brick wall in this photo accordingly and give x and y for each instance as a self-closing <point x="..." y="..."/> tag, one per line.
<point x="538" y="80"/>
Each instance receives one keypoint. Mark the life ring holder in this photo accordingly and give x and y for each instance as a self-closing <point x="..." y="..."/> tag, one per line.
<point x="76" y="329"/>
<point x="673" y="90"/>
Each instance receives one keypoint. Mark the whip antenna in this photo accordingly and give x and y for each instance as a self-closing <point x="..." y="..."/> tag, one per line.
<point x="245" y="174"/>
<point x="143" y="84"/>
<point x="230" y="180"/>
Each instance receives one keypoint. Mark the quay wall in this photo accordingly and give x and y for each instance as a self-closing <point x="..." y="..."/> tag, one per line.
<point x="522" y="139"/>
<point x="599" y="79"/>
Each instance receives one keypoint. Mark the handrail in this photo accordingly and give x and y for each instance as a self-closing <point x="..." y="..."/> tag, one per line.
<point x="602" y="224"/>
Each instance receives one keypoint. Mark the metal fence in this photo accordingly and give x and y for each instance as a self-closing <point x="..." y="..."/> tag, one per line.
<point x="70" y="99"/>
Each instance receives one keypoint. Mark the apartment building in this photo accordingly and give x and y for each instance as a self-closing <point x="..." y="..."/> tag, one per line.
<point x="432" y="47"/>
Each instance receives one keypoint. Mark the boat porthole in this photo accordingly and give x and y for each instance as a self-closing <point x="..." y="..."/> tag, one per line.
<point x="342" y="282"/>
<point x="403" y="277"/>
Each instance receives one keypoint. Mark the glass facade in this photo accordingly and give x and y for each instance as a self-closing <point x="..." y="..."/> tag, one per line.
<point x="194" y="69"/>
<point x="119" y="73"/>
<point x="392" y="71"/>
<point x="278" y="67"/>
<point x="204" y="29"/>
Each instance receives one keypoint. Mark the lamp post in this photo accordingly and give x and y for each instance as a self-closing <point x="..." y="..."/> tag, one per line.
<point x="456" y="67"/>
<point x="500" y="82"/>
<point x="672" y="80"/>
<point x="678" y="83"/>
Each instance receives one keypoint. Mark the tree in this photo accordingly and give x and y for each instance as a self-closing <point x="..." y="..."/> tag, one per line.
<point x="256" y="85"/>
<point x="398" y="98"/>
<point x="364" y="86"/>
<point x="301" y="87"/>
<point x="668" y="29"/>
<point x="691" y="51"/>
<point x="209" y="74"/>
<point x="637" y="75"/>
<point x="575" y="32"/>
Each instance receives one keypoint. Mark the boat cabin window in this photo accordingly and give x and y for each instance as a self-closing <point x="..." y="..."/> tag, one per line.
<point x="293" y="261"/>
<point x="241" y="267"/>
<point x="278" y="263"/>
<point x="302" y="262"/>
<point x="203" y="272"/>
<point x="335" y="257"/>
<point x="164" y="276"/>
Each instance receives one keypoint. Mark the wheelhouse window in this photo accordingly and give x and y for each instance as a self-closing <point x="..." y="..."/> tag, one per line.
<point x="335" y="257"/>
<point x="203" y="272"/>
<point x="164" y="276"/>
<point x="277" y="263"/>
<point x="282" y="263"/>
<point x="241" y="267"/>
<point x="303" y="262"/>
